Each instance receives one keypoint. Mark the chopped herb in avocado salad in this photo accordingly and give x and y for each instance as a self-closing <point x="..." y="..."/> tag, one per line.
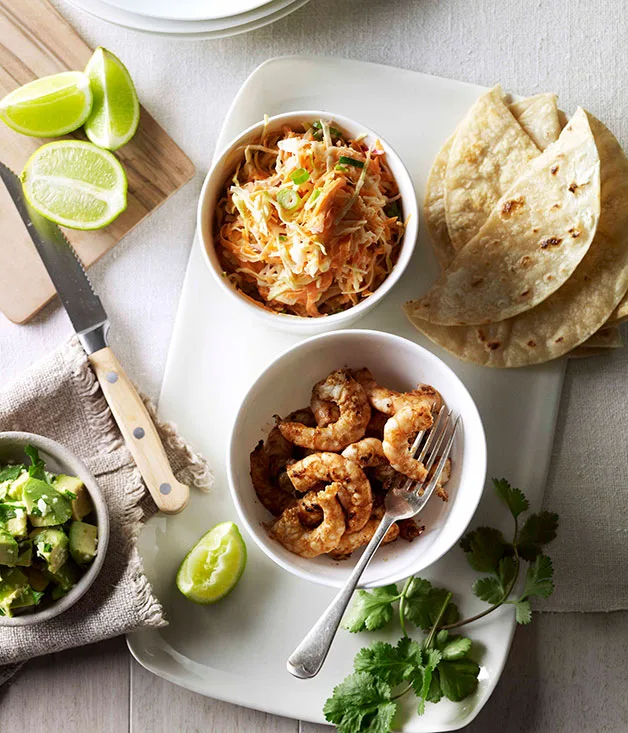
<point x="47" y="540"/>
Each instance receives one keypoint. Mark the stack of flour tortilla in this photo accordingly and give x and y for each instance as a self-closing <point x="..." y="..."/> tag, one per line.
<point x="528" y="216"/>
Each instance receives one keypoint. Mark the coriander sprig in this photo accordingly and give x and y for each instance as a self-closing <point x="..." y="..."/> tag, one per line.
<point x="440" y="665"/>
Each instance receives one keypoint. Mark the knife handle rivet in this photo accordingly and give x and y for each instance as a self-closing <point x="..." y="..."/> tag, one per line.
<point x="111" y="377"/>
<point x="139" y="433"/>
<point x="165" y="488"/>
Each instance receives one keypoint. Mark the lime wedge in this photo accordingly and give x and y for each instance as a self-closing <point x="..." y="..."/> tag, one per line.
<point x="50" y="106"/>
<point x="212" y="568"/>
<point x="116" y="110"/>
<point x="75" y="184"/>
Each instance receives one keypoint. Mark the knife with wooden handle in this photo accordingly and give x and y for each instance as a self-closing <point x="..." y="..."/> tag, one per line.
<point x="91" y="324"/>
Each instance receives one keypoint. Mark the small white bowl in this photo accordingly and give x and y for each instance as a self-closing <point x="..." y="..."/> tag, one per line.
<point x="286" y="384"/>
<point x="213" y="189"/>
<point x="59" y="459"/>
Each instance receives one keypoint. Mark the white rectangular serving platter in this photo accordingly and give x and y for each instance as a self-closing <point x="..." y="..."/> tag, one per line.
<point x="236" y="650"/>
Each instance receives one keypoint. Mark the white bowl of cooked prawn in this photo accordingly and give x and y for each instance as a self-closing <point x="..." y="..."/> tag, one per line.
<point x="308" y="234"/>
<point x="286" y="385"/>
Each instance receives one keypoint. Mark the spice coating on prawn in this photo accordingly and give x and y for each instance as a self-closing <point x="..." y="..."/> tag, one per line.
<point x="271" y="495"/>
<point x="354" y="493"/>
<point x="290" y="532"/>
<point x="351" y="541"/>
<point x="354" y="415"/>
<point x="399" y="434"/>
<point x="389" y="401"/>
<point x="367" y="453"/>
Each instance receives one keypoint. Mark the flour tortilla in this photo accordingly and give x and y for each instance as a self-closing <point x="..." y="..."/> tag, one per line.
<point x="487" y="155"/>
<point x="535" y="237"/>
<point x="608" y="337"/>
<point x="576" y="310"/>
<point x="538" y="116"/>
<point x="539" y="121"/>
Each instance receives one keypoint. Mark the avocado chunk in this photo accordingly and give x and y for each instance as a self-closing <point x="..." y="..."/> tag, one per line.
<point x="38" y="581"/>
<point x="13" y="583"/>
<point x="66" y="577"/>
<point x="83" y="542"/>
<point x="52" y="547"/>
<point x="44" y="504"/>
<point x="82" y="503"/>
<point x="13" y="519"/>
<point x="16" y="487"/>
<point x="9" y="550"/>
<point x="24" y="553"/>
<point x="28" y="597"/>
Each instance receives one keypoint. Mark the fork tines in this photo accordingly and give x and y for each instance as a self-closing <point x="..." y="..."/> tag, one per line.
<point x="437" y="445"/>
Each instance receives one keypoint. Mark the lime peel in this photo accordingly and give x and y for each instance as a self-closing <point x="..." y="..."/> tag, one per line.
<point x="115" y="112"/>
<point x="49" y="107"/>
<point x="213" y="567"/>
<point x="75" y="184"/>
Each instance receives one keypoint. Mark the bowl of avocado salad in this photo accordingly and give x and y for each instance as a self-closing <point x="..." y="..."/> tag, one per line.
<point x="54" y="529"/>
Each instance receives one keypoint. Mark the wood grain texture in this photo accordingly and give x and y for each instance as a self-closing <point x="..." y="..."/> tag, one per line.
<point x="139" y="432"/>
<point x="37" y="41"/>
<point x="158" y="706"/>
<point x="79" y="691"/>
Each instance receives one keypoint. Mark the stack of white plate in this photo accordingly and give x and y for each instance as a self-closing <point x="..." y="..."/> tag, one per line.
<point x="190" y="19"/>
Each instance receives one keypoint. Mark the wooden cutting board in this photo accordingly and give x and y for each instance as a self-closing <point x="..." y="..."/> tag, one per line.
<point x="37" y="41"/>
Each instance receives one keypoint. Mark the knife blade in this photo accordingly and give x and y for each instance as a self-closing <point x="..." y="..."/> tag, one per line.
<point x="89" y="319"/>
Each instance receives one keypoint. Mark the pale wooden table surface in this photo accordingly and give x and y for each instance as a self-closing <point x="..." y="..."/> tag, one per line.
<point x="567" y="672"/>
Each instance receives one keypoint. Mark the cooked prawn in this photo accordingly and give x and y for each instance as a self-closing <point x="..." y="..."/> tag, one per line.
<point x="354" y="491"/>
<point x="271" y="495"/>
<point x="366" y="453"/>
<point x="354" y="414"/>
<point x="325" y="412"/>
<point x="289" y="531"/>
<point x="388" y="401"/>
<point x="409" y="530"/>
<point x="278" y="450"/>
<point x="352" y="541"/>
<point x="375" y="428"/>
<point x="399" y="434"/>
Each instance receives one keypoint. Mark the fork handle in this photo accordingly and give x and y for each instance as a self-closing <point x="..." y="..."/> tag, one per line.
<point x="308" y="658"/>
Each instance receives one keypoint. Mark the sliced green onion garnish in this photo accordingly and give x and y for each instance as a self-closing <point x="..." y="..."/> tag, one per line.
<point x="288" y="199"/>
<point x="315" y="194"/>
<point x="300" y="176"/>
<point x="283" y="238"/>
<point x="318" y="134"/>
<point x="342" y="168"/>
<point x="345" y="160"/>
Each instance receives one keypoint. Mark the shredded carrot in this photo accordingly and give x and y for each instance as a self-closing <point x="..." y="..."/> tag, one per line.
<point x="323" y="244"/>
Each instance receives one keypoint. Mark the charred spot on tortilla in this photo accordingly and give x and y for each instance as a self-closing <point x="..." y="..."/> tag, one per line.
<point x="525" y="261"/>
<point x="554" y="170"/>
<point x="573" y="187"/>
<point x="556" y="206"/>
<point x="575" y="232"/>
<point x="531" y="343"/>
<point x="550" y="242"/>
<point x="477" y="282"/>
<point x="510" y="207"/>
<point x="525" y="292"/>
<point x="492" y="345"/>
<point x="481" y="336"/>
<point x="559" y="339"/>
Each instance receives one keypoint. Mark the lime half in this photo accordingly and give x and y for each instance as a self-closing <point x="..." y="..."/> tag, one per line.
<point x="116" y="110"/>
<point x="50" y="106"/>
<point x="75" y="184"/>
<point x="212" y="568"/>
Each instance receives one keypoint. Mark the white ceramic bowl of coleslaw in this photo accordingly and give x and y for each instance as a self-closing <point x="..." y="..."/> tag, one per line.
<point x="213" y="190"/>
<point x="398" y="363"/>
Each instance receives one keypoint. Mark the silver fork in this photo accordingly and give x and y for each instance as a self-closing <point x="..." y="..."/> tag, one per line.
<point x="401" y="502"/>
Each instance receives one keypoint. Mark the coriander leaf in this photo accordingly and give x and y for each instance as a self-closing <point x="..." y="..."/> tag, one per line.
<point x="485" y="547"/>
<point x="507" y="569"/>
<point x="441" y="638"/>
<point x="36" y="469"/>
<point x="10" y="473"/>
<point x="361" y="703"/>
<point x="388" y="663"/>
<point x="539" y="578"/>
<point x="458" y="678"/>
<point x="538" y="530"/>
<point x="435" y="693"/>
<point x="456" y="648"/>
<point x="371" y="609"/>
<point x="423" y="604"/>
<point x="489" y="590"/>
<point x="422" y="683"/>
<point x="514" y="499"/>
<point x="523" y="612"/>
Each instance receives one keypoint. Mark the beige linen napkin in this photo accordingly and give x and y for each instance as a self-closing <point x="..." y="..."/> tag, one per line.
<point x="60" y="398"/>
